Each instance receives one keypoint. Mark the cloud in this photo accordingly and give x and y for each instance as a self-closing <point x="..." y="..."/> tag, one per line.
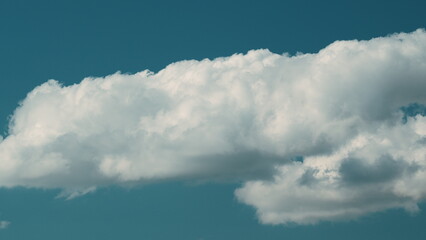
<point x="352" y="112"/>
<point x="371" y="173"/>
<point x="4" y="224"/>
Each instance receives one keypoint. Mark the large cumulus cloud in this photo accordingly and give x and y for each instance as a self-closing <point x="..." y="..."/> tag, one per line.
<point x="249" y="118"/>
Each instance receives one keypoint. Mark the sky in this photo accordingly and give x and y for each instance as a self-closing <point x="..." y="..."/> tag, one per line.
<point x="212" y="119"/>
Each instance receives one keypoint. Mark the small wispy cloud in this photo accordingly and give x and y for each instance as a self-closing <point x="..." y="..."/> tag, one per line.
<point x="4" y="224"/>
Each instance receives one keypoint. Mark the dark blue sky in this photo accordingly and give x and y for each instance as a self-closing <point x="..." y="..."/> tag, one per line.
<point x="70" y="40"/>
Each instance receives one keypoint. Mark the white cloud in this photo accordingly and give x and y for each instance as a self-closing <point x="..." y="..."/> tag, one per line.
<point x="244" y="117"/>
<point x="4" y="224"/>
<point x="373" y="172"/>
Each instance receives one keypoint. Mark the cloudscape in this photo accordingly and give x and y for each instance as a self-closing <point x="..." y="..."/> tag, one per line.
<point x="326" y="136"/>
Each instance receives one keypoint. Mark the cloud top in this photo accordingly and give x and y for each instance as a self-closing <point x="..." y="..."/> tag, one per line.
<point x="344" y="110"/>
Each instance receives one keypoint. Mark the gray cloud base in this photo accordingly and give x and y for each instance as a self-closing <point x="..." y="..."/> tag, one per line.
<point x="242" y="118"/>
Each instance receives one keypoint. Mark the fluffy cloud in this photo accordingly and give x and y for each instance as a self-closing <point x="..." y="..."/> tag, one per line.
<point x="4" y="224"/>
<point x="373" y="172"/>
<point x="251" y="118"/>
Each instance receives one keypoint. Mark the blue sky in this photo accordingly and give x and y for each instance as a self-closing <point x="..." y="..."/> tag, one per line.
<point x="197" y="198"/>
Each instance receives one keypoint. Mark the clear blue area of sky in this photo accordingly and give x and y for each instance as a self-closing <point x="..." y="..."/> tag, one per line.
<point x="70" y="40"/>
